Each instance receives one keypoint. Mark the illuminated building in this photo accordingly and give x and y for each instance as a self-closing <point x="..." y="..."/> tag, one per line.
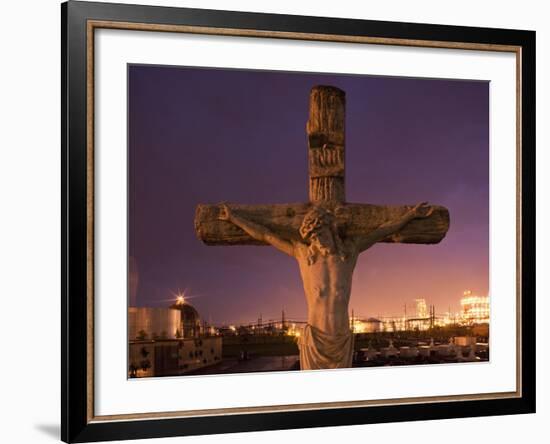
<point x="421" y="308"/>
<point x="393" y="324"/>
<point x="190" y="319"/>
<point x="475" y="309"/>
<point x="370" y="325"/>
<point x="168" y="341"/>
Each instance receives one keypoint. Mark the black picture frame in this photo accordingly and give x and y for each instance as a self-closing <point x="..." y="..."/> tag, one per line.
<point x="76" y="328"/>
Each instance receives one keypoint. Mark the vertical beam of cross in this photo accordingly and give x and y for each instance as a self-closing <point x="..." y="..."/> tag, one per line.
<point x="326" y="145"/>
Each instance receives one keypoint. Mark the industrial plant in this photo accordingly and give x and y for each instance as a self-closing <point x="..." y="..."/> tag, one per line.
<point x="169" y="341"/>
<point x="175" y="341"/>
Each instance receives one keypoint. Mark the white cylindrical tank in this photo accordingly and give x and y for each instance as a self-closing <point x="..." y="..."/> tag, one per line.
<point x="153" y="323"/>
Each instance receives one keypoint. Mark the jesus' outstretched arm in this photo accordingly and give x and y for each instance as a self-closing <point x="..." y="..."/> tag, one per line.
<point x="419" y="211"/>
<point x="256" y="231"/>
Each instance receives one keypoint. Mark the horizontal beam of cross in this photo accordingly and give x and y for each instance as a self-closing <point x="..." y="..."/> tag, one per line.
<point x="285" y="220"/>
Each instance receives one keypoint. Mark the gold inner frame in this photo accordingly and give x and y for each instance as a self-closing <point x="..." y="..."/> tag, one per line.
<point x="92" y="25"/>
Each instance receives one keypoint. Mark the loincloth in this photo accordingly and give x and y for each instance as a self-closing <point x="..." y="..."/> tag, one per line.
<point x="319" y="350"/>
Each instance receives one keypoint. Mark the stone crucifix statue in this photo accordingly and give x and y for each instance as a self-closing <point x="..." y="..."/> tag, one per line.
<point x="326" y="235"/>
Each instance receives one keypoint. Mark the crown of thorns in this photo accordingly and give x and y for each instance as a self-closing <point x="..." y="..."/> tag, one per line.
<point x="313" y="220"/>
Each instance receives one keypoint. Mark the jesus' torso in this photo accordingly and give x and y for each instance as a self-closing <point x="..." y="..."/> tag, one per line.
<point x="327" y="286"/>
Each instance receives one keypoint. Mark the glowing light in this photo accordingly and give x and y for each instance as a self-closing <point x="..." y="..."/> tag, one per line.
<point x="358" y="326"/>
<point x="293" y="331"/>
<point x="180" y="297"/>
<point x="475" y="309"/>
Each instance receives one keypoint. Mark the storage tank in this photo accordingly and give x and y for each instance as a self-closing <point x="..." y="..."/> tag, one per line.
<point x="153" y="323"/>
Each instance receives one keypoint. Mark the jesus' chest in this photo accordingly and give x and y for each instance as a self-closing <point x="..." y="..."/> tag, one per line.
<point x="328" y="276"/>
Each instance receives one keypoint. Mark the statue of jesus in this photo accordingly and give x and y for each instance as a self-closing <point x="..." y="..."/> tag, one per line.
<point x="326" y="260"/>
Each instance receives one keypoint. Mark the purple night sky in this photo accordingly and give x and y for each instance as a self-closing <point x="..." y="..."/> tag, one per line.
<point x="210" y="135"/>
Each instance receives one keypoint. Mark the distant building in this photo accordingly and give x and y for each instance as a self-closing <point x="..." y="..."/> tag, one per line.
<point x="190" y="319"/>
<point x="475" y="309"/>
<point x="421" y="308"/>
<point x="420" y="324"/>
<point x="393" y="324"/>
<point x="169" y="341"/>
<point x="370" y="325"/>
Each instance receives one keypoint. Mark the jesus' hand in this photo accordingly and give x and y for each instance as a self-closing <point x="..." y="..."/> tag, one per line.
<point x="225" y="213"/>
<point x="421" y="210"/>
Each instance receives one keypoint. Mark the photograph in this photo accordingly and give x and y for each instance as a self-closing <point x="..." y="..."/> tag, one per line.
<point x="299" y="221"/>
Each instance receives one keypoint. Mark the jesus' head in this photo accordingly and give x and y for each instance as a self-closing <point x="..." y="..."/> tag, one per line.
<point x="318" y="229"/>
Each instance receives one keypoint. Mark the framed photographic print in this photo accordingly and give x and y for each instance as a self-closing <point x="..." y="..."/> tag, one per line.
<point x="276" y="221"/>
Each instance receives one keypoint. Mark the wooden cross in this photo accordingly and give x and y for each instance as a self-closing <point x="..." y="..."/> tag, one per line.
<point x="326" y="153"/>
